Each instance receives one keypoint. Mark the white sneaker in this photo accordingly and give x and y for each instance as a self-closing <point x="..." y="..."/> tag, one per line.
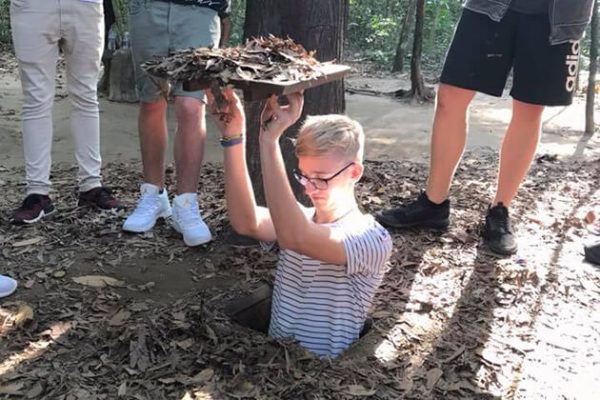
<point x="187" y="221"/>
<point x="151" y="206"/>
<point x="7" y="286"/>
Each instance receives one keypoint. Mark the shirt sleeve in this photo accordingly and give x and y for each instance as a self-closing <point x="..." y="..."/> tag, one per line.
<point x="368" y="248"/>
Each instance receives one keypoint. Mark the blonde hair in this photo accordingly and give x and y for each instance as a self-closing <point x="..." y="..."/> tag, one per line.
<point x="334" y="133"/>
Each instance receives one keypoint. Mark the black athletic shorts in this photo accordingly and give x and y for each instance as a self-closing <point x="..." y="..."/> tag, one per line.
<point x="483" y="52"/>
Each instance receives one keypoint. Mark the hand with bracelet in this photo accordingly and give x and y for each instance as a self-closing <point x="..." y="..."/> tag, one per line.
<point x="276" y="119"/>
<point x="230" y="119"/>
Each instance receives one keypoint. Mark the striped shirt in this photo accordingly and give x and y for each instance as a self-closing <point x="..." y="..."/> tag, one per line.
<point x="324" y="306"/>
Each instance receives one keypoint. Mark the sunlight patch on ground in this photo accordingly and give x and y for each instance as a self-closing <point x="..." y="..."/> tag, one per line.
<point x="413" y="324"/>
<point x="34" y="349"/>
<point x="197" y="395"/>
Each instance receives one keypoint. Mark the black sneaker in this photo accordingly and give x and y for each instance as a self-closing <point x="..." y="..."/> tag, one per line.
<point x="34" y="208"/>
<point x="420" y="213"/>
<point x="498" y="234"/>
<point x="592" y="253"/>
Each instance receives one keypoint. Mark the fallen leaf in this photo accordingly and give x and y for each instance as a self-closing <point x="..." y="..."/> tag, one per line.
<point x="12" y="389"/>
<point x="490" y="355"/>
<point x="98" y="281"/>
<point x="58" y="329"/>
<point x="590" y="217"/>
<point x="359" y="391"/>
<point x="59" y="274"/>
<point x="185" y="344"/>
<point x="433" y="376"/>
<point x="35" y="391"/>
<point x="203" y="376"/>
<point x="382" y="314"/>
<point x="245" y="389"/>
<point x="119" y="318"/>
<point x="28" y="242"/>
<point x="122" y="389"/>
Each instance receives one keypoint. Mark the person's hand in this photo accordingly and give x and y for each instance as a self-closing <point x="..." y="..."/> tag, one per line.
<point x="230" y="118"/>
<point x="275" y="118"/>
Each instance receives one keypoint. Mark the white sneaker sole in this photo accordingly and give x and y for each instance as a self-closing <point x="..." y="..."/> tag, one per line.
<point x="41" y="215"/>
<point x="188" y="242"/>
<point x="150" y="225"/>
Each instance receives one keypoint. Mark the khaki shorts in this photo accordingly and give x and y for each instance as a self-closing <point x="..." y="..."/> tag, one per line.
<point x="159" y="28"/>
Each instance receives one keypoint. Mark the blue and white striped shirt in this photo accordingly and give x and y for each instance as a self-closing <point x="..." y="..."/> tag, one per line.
<point x="324" y="306"/>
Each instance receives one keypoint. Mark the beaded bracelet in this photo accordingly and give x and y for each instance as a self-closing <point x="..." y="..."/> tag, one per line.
<point x="232" y="140"/>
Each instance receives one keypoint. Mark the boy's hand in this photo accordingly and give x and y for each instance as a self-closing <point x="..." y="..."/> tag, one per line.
<point x="275" y="118"/>
<point x="230" y="119"/>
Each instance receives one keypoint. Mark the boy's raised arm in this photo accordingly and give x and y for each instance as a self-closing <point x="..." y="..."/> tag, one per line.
<point x="245" y="216"/>
<point x="294" y="231"/>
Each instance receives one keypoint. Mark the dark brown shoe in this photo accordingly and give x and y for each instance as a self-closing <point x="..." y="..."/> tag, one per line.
<point x="99" y="197"/>
<point x="34" y="208"/>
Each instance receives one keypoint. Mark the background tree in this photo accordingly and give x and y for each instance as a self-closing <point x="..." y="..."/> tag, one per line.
<point x="317" y="25"/>
<point x="591" y="89"/>
<point x="407" y="22"/>
<point x="418" y="91"/>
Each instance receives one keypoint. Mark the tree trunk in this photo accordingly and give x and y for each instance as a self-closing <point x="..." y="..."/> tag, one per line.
<point x="417" y="86"/>
<point x="591" y="90"/>
<point x="404" y="32"/>
<point x="317" y="25"/>
<point x="122" y="79"/>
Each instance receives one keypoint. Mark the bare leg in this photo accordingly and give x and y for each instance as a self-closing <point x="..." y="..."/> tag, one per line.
<point x="152" y="125"/>
<point x="518" y="149"/>
<point x="189" y="142"/>
<point x="447" y="139"/>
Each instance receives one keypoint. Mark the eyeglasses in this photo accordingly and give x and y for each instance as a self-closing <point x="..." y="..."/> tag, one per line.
<point x="317" y="183"/>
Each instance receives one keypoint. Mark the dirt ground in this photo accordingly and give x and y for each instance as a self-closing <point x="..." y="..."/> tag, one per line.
<point x="103" y="315"/>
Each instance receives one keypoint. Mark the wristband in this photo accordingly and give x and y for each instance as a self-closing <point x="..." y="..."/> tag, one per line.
<point x="232" y="140"/>
<point x="229" y="138"/>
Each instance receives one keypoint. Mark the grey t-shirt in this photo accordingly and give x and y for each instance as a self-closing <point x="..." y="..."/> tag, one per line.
<point x="530" y="6"/>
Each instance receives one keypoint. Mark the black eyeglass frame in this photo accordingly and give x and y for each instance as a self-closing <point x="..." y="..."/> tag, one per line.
<point x="299" y="177"/>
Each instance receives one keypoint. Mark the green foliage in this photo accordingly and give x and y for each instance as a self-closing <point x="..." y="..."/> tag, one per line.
<point x="238" y="11"/>
<point x="120" y="8"/>
<point x="374" y="28"/>
<point x="5" y="22"/>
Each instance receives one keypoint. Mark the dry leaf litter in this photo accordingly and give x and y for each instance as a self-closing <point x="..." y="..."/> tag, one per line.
<point x="264" y="58"/>
<point x="101" y="314"/>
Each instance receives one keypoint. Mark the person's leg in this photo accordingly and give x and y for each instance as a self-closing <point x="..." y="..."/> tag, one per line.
<point x="543" y="76"/>
<point x="82" y="26"/>
<point x="448" y="138"/>
<point x="518" y="149"/>
<point x="189" y="149"/>
<point x="191" y="125"/>
<point x="478" y="60"/>
<point x="189" y="142"/>
<point x="152" y="128"/>
<point x="149" y="30"/>
<point x="35" y="32"/>
<point x="83" y="38"/>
